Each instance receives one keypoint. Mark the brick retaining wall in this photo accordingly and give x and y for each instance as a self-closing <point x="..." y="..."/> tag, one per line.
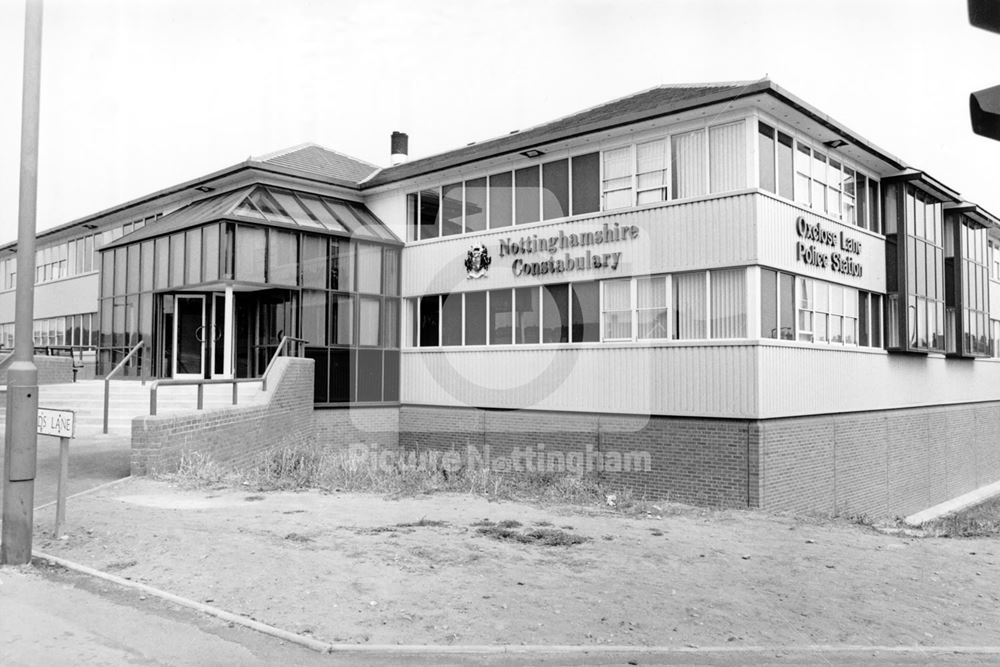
<point x="51" y="370"/>
<point x="234" y="434"/>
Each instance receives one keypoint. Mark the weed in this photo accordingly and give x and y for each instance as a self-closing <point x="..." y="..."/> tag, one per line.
<point x="982" y="520"/>
<point x="316" y="467"/>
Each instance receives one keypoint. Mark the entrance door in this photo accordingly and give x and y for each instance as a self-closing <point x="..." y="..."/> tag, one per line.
<point x="189" y="337"/>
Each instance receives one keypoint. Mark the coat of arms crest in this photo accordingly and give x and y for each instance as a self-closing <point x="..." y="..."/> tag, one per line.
<point x="477" y="261"/>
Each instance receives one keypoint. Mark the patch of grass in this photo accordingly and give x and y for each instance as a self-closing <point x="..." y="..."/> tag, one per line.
<point x="316" y="467"/>
<point x="979" y="521"/>
<point x="423" y="523"/>
<point x="506" y="531"/>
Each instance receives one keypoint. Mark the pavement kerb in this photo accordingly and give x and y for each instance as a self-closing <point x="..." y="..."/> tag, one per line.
<point x="953" y="505"/>
<point x="473" y="649"/>
<point x="86" y="491"/>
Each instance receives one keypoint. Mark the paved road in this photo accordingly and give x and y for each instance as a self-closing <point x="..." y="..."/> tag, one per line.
<point x="93" y="460"/>
<point x="49" y="616"/>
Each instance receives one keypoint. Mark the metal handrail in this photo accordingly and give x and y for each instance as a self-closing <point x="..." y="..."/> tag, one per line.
<point x="107" y="380"/>
<point x="236" y="382"/>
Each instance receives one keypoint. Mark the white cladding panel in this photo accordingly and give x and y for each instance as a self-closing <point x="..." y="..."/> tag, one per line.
<point x="689" y="380"/>
<point x="802" y="380"/>
<point x="67" y="297"/>
<point x="779" y="239"/>
<point x="682" y="236"/>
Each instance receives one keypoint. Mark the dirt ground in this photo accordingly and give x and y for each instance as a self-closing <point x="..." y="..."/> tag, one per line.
<point x="337" y="567"/>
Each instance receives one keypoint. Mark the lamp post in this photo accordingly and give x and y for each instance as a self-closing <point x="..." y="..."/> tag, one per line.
<point x="21" y="440"/>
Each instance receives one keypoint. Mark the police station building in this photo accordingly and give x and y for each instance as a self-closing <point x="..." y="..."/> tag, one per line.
<point x="717" y="280"/>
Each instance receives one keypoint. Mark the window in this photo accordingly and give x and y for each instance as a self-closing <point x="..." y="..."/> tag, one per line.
<point x="827" y="313"/>
<point x="475" y="318"/>
<point x="555" y="313"/>
<point x="869" y="319"/>
<point x="451" y="319"/>
<point x="728" y="303"/>
<point x="586" y="183"/>
<point x="475" y="205"/>
<point x="501" y="317"/>
<point x="994" y="259"/>
<point x="429" y="211"/>
<point x="501" y="200"/>
<point x="617" y="309"/>
<point x="555" y="189"/>
<point x="636" y="308"/>
<point x="688" y="164"/>
<point x="689" y="298"/>
<point x="617" y="183"/>
<point x="652" y="311"/>
<point x="527" y="313"/>
<point x="526" y="195"/>
<point x="585" y="312"/>
<point x="967" y="325"/>
<point x="451" y="209"/>
<point x="777" y="305"/>
<point x="651" y="172"/>
<point x="727" y="157"/>
<point x="430" y="322"/>
<point x="766" y="158"/>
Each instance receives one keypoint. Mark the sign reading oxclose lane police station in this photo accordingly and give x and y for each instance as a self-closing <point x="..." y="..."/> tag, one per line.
<point x="60" y="423"/>
<point x="592" y="256"/>
<point x="839" y="262"/>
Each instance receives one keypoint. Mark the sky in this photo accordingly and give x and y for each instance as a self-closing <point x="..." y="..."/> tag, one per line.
<point x="138" y="95"/>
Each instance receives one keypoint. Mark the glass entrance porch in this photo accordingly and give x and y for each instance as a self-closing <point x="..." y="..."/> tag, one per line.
<point x="212" y="288"/>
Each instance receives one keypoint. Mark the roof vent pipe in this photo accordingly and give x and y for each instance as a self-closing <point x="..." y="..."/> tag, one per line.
<point x="400" y="148"/>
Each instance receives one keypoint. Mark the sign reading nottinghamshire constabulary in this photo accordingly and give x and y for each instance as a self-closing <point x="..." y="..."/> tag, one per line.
<point x="60" y="423"/>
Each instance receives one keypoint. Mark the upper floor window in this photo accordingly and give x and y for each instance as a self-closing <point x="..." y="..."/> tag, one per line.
<point x="994" y="259"/>
<point x="548" y="191"/>
<point x="967" y="327"/>
<point x="814" y="178"/>
<point x="706" y="160"/>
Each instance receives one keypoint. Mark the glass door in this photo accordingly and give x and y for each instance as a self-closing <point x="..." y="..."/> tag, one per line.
<point x="189" y="337"/>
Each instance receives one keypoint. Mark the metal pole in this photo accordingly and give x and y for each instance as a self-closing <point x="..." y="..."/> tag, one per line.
<point x="63" y="486"/>
<point x="21" y="440"/>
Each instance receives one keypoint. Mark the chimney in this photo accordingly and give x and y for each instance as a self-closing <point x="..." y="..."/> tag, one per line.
<point x="400" y="148"/>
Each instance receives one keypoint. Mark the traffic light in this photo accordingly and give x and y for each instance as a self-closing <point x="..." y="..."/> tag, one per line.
<point x="985" y="14"/>
<point x="984" y="108"/>
<point x="984" y="105"/>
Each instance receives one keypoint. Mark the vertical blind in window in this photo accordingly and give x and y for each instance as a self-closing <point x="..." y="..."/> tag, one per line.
<point x="688" y="164"/>
<point x="689" y="305"/>
<point x="651" y="303"/>
<point x="651" y="171"/>
<point x="617" y="309"/>
<point x="617" y="183"/>
<point x="727" y="157"/>
<point x="729" y="309"/>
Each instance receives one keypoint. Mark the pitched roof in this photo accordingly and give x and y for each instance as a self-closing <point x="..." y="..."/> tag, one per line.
<point x="315" y="159"/>
<point x="276" y="207"/>
<point x="651" y="103"/>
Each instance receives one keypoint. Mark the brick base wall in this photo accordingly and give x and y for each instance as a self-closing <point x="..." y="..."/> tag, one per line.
<point x="700" y="461"/>
<point x="235" y="434"/>
<point x="339" y="428"/>
<point x="880" y="464"/>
